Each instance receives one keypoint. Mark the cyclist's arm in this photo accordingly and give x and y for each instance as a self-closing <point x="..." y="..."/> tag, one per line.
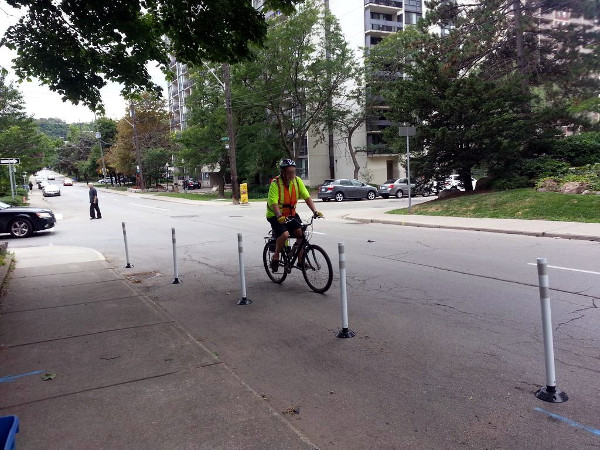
<point x="273" y="199"/>
<point x="304" y="195"/>
<point x="311" y="204"/>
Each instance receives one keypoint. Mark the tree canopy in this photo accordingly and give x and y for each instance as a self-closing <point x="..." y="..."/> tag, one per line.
<point x="75" y="47"/>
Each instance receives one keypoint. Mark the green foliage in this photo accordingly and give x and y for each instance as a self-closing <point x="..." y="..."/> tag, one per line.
<point x="589" y="174"/>
<point x="75" y="47"/>
<point x="578" y="149"/>
<point x="54" y="128"/>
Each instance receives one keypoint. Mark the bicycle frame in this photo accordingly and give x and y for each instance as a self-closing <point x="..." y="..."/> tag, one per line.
<point x="293" y="251"/>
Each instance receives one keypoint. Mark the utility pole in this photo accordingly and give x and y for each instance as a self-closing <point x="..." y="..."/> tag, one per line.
<point x="136" y="142"/>
<point x="231" y="133"/>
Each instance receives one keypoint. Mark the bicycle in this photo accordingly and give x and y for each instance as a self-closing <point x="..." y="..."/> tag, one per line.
<point x="316" y="269"/>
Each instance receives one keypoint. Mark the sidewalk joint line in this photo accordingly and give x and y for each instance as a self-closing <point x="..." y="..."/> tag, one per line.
<point x="88" y="334"/>
<point x="70" y="304"/>
<point x="68" y="394"/>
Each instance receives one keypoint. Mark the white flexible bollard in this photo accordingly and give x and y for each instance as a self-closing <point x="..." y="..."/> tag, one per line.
<point x="176" y="279"/>
<point x="128" y="266"/>
<point x="548" y="393"/>
<point x="345" y="332"/>
<point x="245" y="300"/>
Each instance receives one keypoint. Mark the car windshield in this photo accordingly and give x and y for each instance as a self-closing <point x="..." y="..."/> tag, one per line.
<point x="4" y="205"/>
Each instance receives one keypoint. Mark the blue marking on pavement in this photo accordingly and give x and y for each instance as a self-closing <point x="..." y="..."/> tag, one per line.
<point x="10" y="378"/>
<point x="570" y="422"/>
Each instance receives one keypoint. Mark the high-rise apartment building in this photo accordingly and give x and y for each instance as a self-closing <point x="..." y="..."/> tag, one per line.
<point x="178" y="91"/>
<point x="364" y="24"/>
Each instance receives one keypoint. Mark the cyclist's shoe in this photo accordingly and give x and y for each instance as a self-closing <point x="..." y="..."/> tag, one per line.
<point x="274" y="265"/>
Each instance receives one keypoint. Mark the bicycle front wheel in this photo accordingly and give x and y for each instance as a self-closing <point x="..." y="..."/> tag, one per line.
<point x="281" y="274"/>
<point x="317" y="269"/>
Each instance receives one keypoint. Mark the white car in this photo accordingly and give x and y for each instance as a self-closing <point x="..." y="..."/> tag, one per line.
<point x="51" y="190"/>
<point x="454" y="182"/>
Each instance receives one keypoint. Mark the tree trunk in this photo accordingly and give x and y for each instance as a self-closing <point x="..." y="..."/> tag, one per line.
<point x="465" y="178"/>
<point x="353" y="153"/>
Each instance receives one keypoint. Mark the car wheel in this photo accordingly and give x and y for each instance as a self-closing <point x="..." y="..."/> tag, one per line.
<point x="339" y="196"/>
<point x="426" y="193"/>
<point x="20" y="228"/>
<point x="371" y="195"/>
<point x="399" y="193"/>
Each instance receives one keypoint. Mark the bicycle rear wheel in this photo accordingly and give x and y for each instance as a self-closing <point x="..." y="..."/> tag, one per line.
<point x="317" y="269"/>
<point x="281" y="274"/>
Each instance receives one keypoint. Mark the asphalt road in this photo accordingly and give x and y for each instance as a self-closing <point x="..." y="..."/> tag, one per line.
<point x="449" y="345"/>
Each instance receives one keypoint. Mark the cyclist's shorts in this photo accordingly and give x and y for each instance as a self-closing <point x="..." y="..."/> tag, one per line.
<point x="280" y="228"/>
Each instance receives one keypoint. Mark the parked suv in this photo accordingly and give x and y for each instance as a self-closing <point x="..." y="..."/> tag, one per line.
<point x="395" y="186"/>
<point x="454" y="182"/>
<point x="341" y="189"/>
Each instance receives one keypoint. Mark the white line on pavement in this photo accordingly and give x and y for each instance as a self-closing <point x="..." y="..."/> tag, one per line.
<point x="568" y="268"/>
<point x="151" y="207"/>
<point x="316" y="232"/>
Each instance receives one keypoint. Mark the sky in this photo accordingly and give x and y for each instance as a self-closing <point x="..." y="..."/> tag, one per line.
<point x="41" y="102"/>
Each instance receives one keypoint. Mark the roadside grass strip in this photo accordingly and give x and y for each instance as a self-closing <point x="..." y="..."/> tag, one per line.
<point x="514" y="204"/>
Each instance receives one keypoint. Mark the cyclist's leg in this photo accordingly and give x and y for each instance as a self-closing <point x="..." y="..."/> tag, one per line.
<point x="280" y="234"/>
<point x="295" y="231"/>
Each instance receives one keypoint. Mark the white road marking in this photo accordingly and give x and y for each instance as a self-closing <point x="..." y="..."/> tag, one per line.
<point x="568" y="268"/>
<point x="151" y="207"/>
<point x="316" y="232"/>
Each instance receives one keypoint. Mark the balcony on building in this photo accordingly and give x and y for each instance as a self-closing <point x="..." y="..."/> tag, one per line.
<point x="384" y="6"/>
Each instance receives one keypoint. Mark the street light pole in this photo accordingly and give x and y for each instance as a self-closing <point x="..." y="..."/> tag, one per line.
<point x="98" y="136"/>
<point x="231" y="134"/>
<point x="138" y="152"/>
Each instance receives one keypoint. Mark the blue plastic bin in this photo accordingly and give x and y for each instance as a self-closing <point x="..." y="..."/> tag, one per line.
<point x="9" y="426"/>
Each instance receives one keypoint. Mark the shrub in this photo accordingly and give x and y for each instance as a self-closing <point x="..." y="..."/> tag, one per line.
<point x="17" y="201"/>
<point x="258" y="190"/>
<point x="515" y="182"/>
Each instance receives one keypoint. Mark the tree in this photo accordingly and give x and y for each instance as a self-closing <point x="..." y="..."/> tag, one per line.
<point x="53" y="128"/>
<point x="75" y="47"/>
<point x="153" y="133"/>
<point x="297" y="73"/>
<point x="463" y="121"/>
<point x="499" y="38"/>
<point x="20" y="136"/>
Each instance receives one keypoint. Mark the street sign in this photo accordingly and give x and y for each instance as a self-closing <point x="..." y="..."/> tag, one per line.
<point x="7" y="161"/>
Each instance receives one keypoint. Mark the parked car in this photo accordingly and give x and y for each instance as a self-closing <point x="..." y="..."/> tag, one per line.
<point x="341" y="189"/>
<point x="454" y="182"/>
<point x="23" y="221"/>
<point x="51" y="190"/>
<point x="192" y="184"/>
<point x="67" y="182"/>
<point x="107" y="180"/>
<point x="395" y="186"/>
<point x="43" y="184"/>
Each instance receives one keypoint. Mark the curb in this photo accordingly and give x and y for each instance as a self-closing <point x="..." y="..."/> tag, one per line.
<point x="5" y="269"/>
<point x="580" y="237"/>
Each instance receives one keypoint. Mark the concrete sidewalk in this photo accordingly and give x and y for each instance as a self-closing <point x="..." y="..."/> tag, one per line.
<point x="126" y="375"/>
<point x="541" y="228"/>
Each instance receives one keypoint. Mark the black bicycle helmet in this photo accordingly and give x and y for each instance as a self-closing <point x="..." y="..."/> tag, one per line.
<point x="287" y="163"/>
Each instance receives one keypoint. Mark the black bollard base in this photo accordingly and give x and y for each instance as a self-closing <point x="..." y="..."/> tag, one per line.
<point x="551" y="394"/>
<point x="345" y="333"/>
<point x="129" y="266"/>
<point x="244" y="301"/>
<point x="176" y="281"/>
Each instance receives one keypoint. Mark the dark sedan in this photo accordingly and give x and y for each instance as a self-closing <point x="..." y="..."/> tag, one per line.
<point x="339" y="190"/>
<point x="23" y="221"/>
<point x="192" y="184"/>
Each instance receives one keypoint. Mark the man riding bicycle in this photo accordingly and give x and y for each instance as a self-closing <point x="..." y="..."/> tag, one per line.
<point x="284" y="192"/>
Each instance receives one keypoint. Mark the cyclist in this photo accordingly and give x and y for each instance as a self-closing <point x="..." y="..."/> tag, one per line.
<point x="284" y="192"/>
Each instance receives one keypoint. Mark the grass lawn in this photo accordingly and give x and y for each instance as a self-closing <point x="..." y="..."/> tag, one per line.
<point x="205" y="197"/>
<point x="515" y="204"/>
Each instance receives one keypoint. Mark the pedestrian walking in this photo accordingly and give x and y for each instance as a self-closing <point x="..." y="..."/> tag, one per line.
<point x="94" y="209"/>
<point x="30" y="186"/>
